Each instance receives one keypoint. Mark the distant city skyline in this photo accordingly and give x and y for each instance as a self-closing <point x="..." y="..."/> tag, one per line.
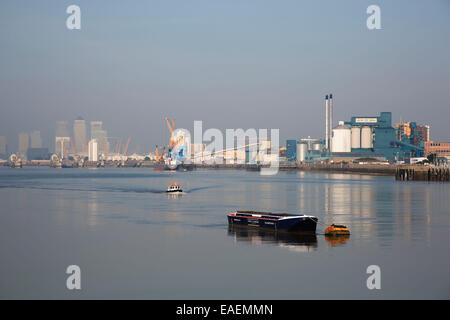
<point x="232" y="64"/>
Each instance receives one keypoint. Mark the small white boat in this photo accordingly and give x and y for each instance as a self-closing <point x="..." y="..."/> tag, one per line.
<point x="174" y="188"/>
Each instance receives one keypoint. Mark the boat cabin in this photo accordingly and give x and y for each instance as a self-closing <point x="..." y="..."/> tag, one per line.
<point x="174" y="188"/>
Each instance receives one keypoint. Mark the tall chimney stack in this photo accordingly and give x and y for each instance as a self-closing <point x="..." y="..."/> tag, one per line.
<point x="331" y="120"/>
<point x="326" y="122"/>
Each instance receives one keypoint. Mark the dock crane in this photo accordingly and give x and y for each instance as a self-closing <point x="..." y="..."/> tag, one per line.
<point x="159" y="158"/>
<point x="171" y="127"/>
<point x="173" y="139"/>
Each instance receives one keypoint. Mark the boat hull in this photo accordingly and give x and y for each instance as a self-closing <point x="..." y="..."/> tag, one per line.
<point x="301" y="224"/>
<point x="160" y="167"/>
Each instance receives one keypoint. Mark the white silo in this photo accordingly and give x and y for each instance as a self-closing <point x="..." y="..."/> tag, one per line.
<point x="341" y="140"/>
<point x="366" y="137"/>
<point x="356" y="137"/>
<point x="302" y="148"/>
<point x="317" y="146"/>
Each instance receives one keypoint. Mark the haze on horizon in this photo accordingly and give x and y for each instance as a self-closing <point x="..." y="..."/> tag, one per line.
<point x="233" y="64"/>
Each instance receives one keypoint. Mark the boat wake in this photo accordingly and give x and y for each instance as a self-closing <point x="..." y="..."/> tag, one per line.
<point x="202" y="188"/>
<point x="123" y="189"/>
<point x="102" y="189"/>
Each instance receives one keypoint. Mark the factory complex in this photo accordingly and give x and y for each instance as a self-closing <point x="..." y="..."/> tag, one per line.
<point x="369" y="137"/>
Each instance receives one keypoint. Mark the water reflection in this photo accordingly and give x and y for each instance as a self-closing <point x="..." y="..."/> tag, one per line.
<point x="93" y="208"/>
<point x="335" y="241"/>
<point x="174" y="229"/>
<point x="174" y="195"/>
<point x="341" y="199"/>
<point x="125" y="217"/>
<point x="373" y="207"/>
<point x="295" y="242"/>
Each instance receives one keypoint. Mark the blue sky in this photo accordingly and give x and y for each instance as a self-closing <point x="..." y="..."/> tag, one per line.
<point x="232" y="64"/>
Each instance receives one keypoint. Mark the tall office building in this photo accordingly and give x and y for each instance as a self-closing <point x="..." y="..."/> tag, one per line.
<point x="35" y="139"/>
<point x="23" y="143"/>
<point x="95" y="127"/>
<point x="63" y="141"/>
<point x="422" y="134"/>
<point x="93" y="150"/>
<point x="100" y="135"/>
<point x="79" y="135"/>
<point x="62" y="129"/>
<point x="3" y="147"/>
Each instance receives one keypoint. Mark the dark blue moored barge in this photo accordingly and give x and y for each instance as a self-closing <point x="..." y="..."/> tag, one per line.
<point x="273" y="221"/>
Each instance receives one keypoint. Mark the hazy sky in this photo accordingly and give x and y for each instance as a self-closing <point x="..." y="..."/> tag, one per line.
<point x="230" y="63"/>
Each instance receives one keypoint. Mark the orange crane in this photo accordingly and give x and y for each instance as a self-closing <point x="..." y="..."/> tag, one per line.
<point x="171" y="127"/>
<point x="126" y="147"/>
<point x="159" y="158"/>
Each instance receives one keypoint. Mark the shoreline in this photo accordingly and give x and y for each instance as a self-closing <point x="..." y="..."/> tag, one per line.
<point x="400" y="172"/>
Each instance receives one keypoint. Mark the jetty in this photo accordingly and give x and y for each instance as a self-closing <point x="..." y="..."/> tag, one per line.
<point x="420" y="173"/>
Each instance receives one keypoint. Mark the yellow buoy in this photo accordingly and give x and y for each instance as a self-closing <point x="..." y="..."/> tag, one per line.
<point x="337" y="230"/>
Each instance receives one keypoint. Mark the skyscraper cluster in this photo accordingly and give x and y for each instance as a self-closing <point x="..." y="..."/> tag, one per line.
<point x="29" y="143"/>
<point x="100" y="135"/>
<point x="78" y="142"/>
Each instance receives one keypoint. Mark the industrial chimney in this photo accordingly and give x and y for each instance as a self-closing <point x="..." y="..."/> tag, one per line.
<point x="327" y="128"/>
<point x="330" y="130"/>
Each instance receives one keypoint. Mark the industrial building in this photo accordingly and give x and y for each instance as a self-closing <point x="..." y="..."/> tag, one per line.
<point x="308" y="149"/>
<point x="371" y="136"/>
<point x="291" y="149"/>
<point x="441" y="149"/>
<point x="361" y="137"/>
<point x="412" y="133"/>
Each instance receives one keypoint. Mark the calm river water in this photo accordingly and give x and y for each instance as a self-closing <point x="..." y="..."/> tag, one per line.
<point x="132" y="240"/>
